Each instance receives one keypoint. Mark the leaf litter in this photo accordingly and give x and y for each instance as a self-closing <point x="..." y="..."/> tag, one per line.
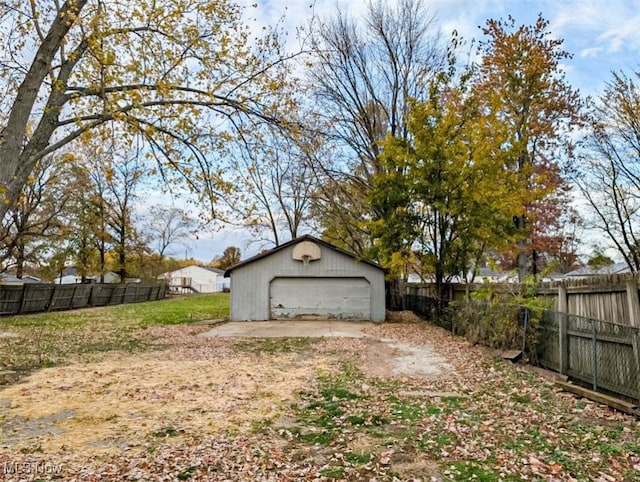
<point x="211" y="409"/>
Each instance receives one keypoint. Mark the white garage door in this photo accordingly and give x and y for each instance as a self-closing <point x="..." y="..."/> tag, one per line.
<point x="340" y="298"/>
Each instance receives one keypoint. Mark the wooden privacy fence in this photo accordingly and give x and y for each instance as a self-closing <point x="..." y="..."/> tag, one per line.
<point x="34" y="298"/>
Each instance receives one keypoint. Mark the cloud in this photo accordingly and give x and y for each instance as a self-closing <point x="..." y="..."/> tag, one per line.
<point x="590" y="52"/>
<point x="623" y="36"/>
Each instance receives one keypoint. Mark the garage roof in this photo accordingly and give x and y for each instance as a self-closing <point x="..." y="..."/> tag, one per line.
<point x="306" y="237"/>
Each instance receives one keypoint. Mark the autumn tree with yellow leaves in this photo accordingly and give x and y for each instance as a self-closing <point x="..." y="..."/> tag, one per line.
<point x="522" y="85"/>
<point x="186" y="76"/>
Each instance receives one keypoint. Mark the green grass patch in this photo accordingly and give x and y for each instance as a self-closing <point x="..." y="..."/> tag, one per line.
<point x="470" y="470"/>
<point x="436" y="442"/>
<point x="414" y="411"/>
<point x="333" y="473"/>
<point x="49" y="339"/>
<point x="275" y="345"/>
<point x="357" y="458"/>
<point x="187" y="473"/>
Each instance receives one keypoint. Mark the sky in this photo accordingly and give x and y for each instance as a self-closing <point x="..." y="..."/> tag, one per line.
<point x="602" y="36"/>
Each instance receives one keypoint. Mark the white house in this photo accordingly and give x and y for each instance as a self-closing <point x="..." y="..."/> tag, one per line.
<point x="9" y="279"/>
<point x="199" y="279"/>
<point x="71" y="276"/>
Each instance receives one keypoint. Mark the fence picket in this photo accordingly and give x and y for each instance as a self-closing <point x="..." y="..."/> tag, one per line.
<point x="39" y="297"/>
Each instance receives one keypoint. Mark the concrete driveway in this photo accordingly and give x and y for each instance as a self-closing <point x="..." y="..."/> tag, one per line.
<point x="291" y="328"/>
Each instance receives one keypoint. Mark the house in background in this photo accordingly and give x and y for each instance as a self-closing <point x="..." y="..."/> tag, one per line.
<point x="588" y="271"/>
<point x="71" y="276"/>
<point x="196" y="279"/>
<point x="9" y="279"/>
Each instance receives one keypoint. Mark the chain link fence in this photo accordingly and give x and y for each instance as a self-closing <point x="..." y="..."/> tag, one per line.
<point x="601" y="354"/>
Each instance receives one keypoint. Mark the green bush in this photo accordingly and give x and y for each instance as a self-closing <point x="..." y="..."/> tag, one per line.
<point x="497" y="320"/>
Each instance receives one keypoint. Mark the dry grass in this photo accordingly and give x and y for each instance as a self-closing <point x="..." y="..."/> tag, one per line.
<point x="128" y="400"/>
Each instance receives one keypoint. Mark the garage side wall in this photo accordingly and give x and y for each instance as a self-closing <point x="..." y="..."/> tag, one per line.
<point x="250" y="283"/>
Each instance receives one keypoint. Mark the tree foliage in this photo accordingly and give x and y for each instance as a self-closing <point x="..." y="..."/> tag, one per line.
<point x="230" y="256"/>
<point x="183" y="75"/>
<point x="446" y="192"/>
<point x="35" y="223"/>
<point x="523" y="86"/>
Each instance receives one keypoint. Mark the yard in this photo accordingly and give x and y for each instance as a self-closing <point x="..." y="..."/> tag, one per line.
<point x="133" y="393"/>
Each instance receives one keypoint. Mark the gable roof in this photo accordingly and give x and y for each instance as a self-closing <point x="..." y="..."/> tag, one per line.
<point x="306" y="237"/>
<point x="213" y="270"/>
<point x="615" y="268"/>
<point x="206" y="268"/>
<point x="9" y="278"/>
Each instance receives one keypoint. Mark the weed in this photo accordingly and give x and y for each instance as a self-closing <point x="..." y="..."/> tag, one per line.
<point x="260" y="426"/>
<point x="187" y="473"/>
<point x="166" y="432"/>
<point x="354" y="458"/>
<point x="516" y="397"/>
<point x="324" y="437"/>
<point x="356" y="420"/>
<point x="333" y="473"/>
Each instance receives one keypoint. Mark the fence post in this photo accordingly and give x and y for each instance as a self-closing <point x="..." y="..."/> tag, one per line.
<point x="633" y="302"/>
<point x="634" y="321"/>
<point x="594" y="336"/>
<point x="23" y="297"/>
<point x="563" y="340"/>
<point x="53" y="296"/>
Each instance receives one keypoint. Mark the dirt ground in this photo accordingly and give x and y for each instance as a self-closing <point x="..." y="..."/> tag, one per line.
<point x="383" y="356"/>
<point x="198" y="381"/>
<point x="105" y="406"/>
<point x="194" y="401"/>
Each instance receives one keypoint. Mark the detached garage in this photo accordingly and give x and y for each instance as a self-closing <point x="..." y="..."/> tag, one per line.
<point x="307" y="278"/>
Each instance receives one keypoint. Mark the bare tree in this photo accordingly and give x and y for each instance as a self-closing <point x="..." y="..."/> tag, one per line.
<point x="365" y="74"/>
<point x="610" y="175"/>
<point x="274" y="181"/>
<point x="167" y="226"/>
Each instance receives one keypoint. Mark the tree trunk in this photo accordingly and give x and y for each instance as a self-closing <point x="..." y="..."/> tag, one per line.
<point x="442" y="293"/>
<point x="523" y="265"/>
<point x="20" y="260"/>
<point x="122" y="258"/>
<point x="394" y="296"/>
<point x="15" y="165"/>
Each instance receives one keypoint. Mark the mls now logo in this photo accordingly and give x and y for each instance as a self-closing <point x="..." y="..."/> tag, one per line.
<point x="25" y="468"/>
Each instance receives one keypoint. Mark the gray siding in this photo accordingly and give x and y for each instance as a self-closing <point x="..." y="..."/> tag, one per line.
<point x="336" y="298"/>
<point x="250" y="283"/>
